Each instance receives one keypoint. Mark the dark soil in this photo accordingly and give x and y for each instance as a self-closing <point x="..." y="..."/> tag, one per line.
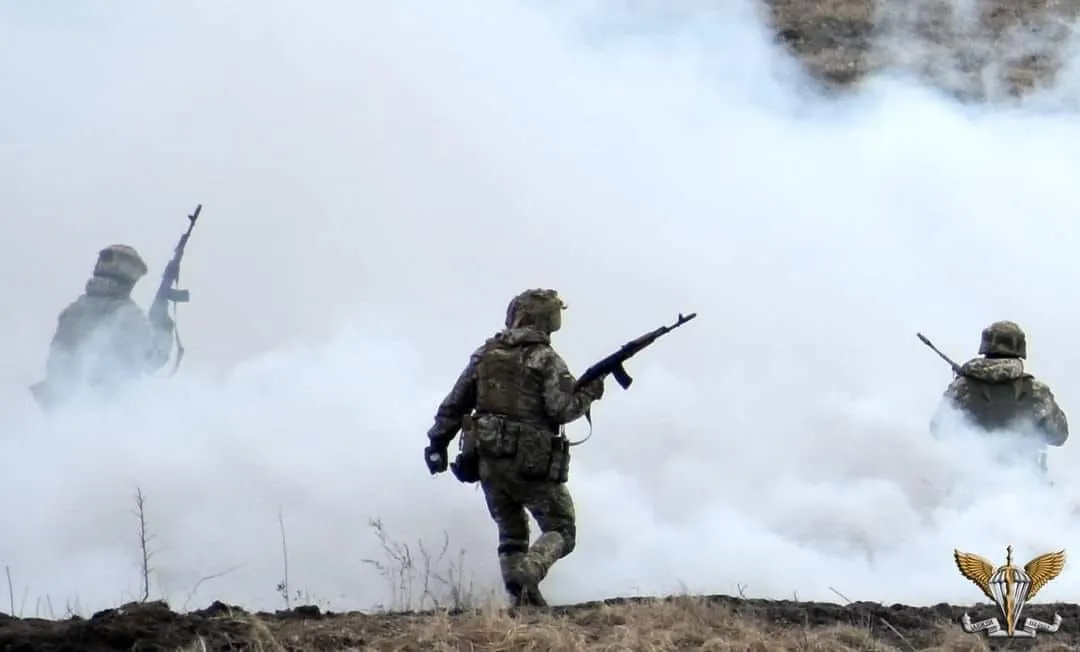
<point x="153" y="626"/>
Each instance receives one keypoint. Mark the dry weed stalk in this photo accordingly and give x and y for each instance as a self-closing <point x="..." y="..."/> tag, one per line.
<point x="412" y="577"/>
<point x="144" y="542"/>
<point x="283" y="585"/>
<point x="199" y="583"/>
<point x="11" y="589"/>
<point x="883" y="622"/>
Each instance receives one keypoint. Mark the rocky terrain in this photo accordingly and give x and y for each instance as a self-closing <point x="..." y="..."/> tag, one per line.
<point x="973" y="49"/>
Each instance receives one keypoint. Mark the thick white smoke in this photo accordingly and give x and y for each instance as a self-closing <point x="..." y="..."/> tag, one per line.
<point x="379" y="179"/>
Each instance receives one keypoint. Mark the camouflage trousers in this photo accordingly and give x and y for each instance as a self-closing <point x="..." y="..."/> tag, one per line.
<point x="508" y="499"/>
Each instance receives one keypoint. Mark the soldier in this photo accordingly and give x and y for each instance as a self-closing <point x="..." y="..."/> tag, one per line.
<point x="103" y="340"/>
<point x="995" y="394"/>
<point x="519" y="393"/>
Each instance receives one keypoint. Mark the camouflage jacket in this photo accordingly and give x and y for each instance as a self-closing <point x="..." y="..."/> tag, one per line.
<point x="996" y="394"/>
<point x="103" y="339"/>
<point x="545" y="387"/>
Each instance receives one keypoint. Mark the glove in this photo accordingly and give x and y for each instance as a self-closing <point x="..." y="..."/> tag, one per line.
<point x="435" y="457"/>
<point x="594" y="390"/>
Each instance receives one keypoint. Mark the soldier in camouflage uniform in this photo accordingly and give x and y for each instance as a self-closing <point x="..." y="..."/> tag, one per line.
<point x="996" y="394"/>
<point x="103" y="340"/>
<point x="510" y="403"/>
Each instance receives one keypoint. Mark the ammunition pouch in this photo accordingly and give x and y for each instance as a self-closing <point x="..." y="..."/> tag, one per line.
<point x="495" y="436"/>
<point x="539" y="455"/>
<point x="559" y="470"/>
<point x="543" y="456"/>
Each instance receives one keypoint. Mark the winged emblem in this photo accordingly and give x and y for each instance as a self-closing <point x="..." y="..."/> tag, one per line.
<point x="978" y="570"/>
<point x="1042" y="569"/>
<point x="1010" y="588"/>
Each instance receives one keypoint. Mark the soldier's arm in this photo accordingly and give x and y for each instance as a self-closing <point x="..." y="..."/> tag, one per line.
<point x="151" y="341"/>
<point x="946" y="405"/>
<point x="65" y="342"/>
<point x="1049" y="417"/>
<point x="458" y="403"/>
<point x="561" y="402"/>
<point x="159" y="348"/>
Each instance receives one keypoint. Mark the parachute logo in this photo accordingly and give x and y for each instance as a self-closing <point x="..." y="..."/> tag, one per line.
<point x="1010" y="588"/>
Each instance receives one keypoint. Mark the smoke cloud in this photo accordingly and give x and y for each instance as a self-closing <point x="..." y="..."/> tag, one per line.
<point x="379" y="179"/>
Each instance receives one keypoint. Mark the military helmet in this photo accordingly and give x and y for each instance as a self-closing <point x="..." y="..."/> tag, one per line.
<point x="537" y="308"/>
<point x="1004" y="339"/>
<point x="120" y="262"/>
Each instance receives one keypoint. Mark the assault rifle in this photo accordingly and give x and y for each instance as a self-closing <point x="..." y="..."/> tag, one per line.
<point x="166" y="292"/>
<point x="952" y="363"/>
<point x="613" y="364"/>
<point x="159" y="310"/>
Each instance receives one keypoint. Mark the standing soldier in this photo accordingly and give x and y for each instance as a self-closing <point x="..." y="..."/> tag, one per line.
<point x="103" y="340"/>
<point x="510" y="403"/>
<point x="996" y="394"/>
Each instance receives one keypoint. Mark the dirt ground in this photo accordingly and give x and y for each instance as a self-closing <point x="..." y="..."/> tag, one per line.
<point x="681" y="623"/>
<point x="997" y="50"/>
<point x="1019" y="43"/>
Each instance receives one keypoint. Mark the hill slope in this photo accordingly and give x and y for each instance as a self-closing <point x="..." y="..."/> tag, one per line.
<point x="1003" y="48"/>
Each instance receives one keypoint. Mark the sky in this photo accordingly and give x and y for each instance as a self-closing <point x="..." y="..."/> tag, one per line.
<point x="378" y="180"/>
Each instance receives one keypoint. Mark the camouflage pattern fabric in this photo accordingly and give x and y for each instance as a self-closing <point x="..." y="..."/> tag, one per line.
<point x="996" y="394"/>
<point x="520" y="392"/>
<point x="553" y="401"/>
<point x="103" y="340"/>
<point x="508" y="498"/>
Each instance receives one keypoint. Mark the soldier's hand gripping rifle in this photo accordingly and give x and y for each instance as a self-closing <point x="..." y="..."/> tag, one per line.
<point x="925" y="340"/>
<point x="167" y="293"/>
<point x="613" y="364"/>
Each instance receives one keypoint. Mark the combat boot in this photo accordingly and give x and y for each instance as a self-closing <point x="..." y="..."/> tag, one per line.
<point x="523" y="585"/>
<point x="525" y="595"/>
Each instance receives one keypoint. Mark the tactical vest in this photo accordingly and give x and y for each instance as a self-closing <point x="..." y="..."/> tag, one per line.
<point x="509" y="388"/>
<point x="994" y="406"/>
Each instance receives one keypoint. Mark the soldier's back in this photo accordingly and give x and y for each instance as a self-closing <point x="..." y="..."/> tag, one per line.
<point x="994" y="393"/>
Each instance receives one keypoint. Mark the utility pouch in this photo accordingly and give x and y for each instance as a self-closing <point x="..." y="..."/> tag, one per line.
<point x="494" y="436"/>
<point x="559" y="470"/>
<point x="534" y="448"/>
<point x="466" y="467"/>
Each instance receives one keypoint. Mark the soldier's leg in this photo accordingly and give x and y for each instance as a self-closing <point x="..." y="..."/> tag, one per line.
<point x="553" y="508"/>
<point x="513" y="527"/>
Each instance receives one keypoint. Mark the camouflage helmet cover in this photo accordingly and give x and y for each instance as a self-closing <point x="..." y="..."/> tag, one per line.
<point x="1004" y="339"/>
<point x="120" y="262"/>
<point x="536" y="308"/>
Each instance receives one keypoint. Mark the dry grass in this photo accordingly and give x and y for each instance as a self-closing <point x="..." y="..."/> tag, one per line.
<point x="711" y="623"/>
<point x="686" y="623"/>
